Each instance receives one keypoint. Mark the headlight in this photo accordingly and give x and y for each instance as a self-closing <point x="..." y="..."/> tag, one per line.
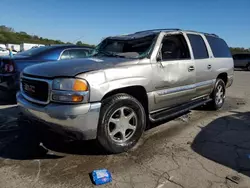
<point x="70" y="84"/>
<point x="70" y="90"/>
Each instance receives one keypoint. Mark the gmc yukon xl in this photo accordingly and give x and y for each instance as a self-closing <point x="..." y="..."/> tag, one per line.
<point x="128" y="82"/>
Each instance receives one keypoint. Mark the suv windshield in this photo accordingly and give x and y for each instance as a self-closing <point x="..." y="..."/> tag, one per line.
<point x="35" y="51"/>
<point x="125" y="48"/>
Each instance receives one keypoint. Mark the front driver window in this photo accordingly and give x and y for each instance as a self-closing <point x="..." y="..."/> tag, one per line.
<point x="174" y="47"/>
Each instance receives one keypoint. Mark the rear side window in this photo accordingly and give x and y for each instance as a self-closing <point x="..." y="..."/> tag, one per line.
<point x="65" y="55"/>
<point x="248" y="56"/>
<point x="74" y="53"/>
<point x="198" y="46"/>
<point x="219" y="47"/>
<point x="78" y="53"/>
<point x="241" y="56"/>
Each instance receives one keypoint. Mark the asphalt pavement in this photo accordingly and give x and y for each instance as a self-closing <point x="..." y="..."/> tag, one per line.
<point x="200" y="149"/>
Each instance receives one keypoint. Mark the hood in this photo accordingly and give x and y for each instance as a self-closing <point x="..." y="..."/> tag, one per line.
<point x="69" y="68"/>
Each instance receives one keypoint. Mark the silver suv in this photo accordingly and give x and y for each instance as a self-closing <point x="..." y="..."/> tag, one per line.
<point x="128" y="82"/>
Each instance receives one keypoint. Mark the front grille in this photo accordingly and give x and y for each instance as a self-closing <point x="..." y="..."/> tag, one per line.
<point x="35" y="89"/>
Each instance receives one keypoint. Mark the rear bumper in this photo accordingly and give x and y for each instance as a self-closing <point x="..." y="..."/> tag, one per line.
<point x="9" y="82"/>
<point x="78" y="120"/>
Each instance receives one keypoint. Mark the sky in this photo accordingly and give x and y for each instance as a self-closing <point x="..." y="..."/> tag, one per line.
<point x="92" y="20"/>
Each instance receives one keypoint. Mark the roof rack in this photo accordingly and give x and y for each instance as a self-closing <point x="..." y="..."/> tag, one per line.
<point x="152" y="30"/>
<point x="203" y="33"/>
<point x="175" y="29"/>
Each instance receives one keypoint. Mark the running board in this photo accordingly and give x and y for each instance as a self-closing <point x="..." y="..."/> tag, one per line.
<point x="170" y="113"/>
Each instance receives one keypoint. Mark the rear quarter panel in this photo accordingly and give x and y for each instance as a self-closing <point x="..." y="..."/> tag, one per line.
<point x="223" y="65"/>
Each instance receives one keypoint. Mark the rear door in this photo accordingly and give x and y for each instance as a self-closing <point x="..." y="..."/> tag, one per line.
<point x="203" y="64"/>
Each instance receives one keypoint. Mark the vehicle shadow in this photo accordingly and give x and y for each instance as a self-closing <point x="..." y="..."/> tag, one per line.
<point x="226" y="141"/>
<point x="18" y="141"/>
<point x="22" y="139"/>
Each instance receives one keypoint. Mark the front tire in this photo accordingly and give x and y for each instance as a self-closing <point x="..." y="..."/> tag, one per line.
<point x="121" y="123"/>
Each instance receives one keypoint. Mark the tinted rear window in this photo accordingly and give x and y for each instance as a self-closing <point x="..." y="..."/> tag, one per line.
<point x="219" y="47"/>
<point x="35" y="51"/>
<point x="241" y="56"/>
<point x="198" y="46"/>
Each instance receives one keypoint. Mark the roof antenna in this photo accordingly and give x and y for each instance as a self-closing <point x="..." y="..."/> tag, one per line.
<point x="78" y="39"/>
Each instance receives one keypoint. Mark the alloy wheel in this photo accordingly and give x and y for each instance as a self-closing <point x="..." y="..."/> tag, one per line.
<point x="122" y="124"/>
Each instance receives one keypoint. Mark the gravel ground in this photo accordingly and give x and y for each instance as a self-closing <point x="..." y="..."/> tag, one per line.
<point x="200" y="149"/>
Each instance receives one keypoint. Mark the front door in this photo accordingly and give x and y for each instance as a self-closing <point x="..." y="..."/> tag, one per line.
<point x="174" y="73"/>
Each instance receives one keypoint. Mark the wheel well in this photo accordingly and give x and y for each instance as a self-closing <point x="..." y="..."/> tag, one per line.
<point x="138" y="92"/>
<point x="223" y="76"/>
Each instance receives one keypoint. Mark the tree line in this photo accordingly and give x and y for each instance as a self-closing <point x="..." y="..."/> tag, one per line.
<point x="9" y="36"/>
<point x="239" y="50"/>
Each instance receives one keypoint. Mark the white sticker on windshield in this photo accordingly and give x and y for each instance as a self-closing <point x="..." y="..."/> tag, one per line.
<point x="95" y="59"/>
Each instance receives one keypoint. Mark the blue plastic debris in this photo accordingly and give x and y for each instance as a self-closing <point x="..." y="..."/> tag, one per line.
<point x="101" y="176"/>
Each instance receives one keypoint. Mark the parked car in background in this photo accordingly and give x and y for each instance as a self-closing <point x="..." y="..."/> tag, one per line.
<point x="5" y="52"/>
<point x="242" y="60"/>
<point x="10" y="68"/>
<point x="130" y="80"/>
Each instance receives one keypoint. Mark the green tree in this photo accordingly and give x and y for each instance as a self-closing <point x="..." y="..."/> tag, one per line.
<point x="6" y="29"/>
<point x="79" y="43"/>
<point x="239" y="50"/>
<point x="3" y="39"/>
<point x="8" y="35"/>
<point x="23" y="33"/>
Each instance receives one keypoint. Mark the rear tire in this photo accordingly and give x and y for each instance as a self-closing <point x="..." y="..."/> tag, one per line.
<point x="121" y="123"/>
<point x="218" y="95"/>
<point x="248" y="67"/>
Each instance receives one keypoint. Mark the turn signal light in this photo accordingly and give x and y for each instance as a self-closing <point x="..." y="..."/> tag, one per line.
<point x="80" y="85"/>
<point x="76" y="98"/>
<point x="67" y="98"/>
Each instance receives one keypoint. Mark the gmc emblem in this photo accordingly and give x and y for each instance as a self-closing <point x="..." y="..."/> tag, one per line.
<point x="29" y="88"/>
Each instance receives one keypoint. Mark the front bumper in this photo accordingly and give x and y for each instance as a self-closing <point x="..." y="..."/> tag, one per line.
<point x="81" y="119"/>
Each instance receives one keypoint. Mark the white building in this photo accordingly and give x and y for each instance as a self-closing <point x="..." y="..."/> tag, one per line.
<point x="27" y="46"/>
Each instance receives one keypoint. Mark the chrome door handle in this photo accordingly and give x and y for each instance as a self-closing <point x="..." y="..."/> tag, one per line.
<point x="209" y="66"/>
<point x="191" y="68"/>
